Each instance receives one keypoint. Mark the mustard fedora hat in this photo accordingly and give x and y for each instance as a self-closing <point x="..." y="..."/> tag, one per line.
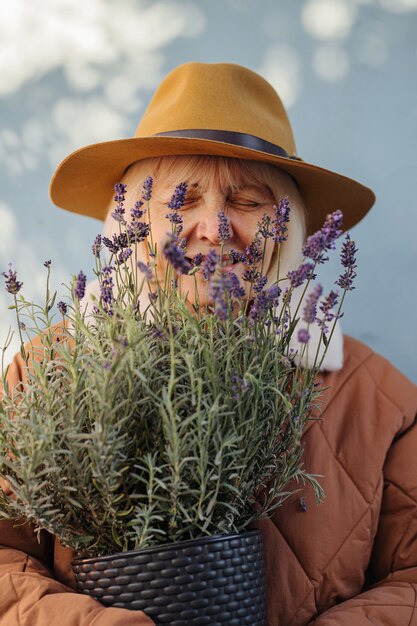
<point x="218" y="109"/>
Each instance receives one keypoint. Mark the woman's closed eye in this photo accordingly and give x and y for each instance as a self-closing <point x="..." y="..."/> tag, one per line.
<point x="243" y="202"/>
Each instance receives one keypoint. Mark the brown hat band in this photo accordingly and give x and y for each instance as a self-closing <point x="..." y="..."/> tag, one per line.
<point x="229" y="136"/>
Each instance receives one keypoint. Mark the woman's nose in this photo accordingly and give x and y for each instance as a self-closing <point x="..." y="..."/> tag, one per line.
<point x="208" y="223"/>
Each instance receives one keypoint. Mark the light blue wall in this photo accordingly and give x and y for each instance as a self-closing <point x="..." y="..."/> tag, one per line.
<point x="73" y="73"/>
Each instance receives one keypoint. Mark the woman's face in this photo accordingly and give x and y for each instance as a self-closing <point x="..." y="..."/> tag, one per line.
<point x="244" y="207"/>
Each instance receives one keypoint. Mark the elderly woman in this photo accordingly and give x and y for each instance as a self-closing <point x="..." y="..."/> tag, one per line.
<point x="353" y="559"/>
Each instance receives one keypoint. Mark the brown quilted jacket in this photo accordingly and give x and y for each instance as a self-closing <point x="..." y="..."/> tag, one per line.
<point x="351" y="561"/>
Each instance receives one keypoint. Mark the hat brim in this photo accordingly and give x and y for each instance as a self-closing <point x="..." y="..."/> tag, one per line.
<point x="83" y="182"/>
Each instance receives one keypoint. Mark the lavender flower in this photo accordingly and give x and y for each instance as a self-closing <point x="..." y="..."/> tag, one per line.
<point x="329" y="303"/>
<point x="254" y="252"/>
<point x="239" y="385"/>
<point x="326" y="307"/>
<point x="62" y="307"/>
<point x="260" y="283"/>
<point x="237" y="256"/>
<point x="224" y="226"/>
<point x="120" y="190"/>
<point x="174" y="218"/>
<point x="22" y="325"/>
<point x="13" y="286"/>
<point x="282" y="217"/>
<point x="221" y="284"/>
<point x="209" y="265"/>
<point x="153" y="297"/>
<point x="264" y="302"/>
<point x="111" y="245"/>
<point x="348" y="260"/>
<point x="253" y="255"/>
<point x="251" y="274"/>
<point x="124" y="255"/>
<point x="134" y="234"/>
<point x="274" y="293"/>
<point x="79" y="289"/>
<point x="217" y="292"/>
<point x="106" y="287"/>
<point x="157" y="333"/>
<point x="175" y="256"/>
<point x="310" y="309"/>
<point x="136" y="212"/>
<point x="145" y="269"/>
<point x="301" y="274"/>
<point x="176" y="202"/>
<point x="147" y="189"/>
<point x="96" y="247"/>
<point x="197" y="259"/>
<point x="137" y="232"/>
<point x="122" y="240"/>
<point x="118" y="213"/>
<point x="233" y="285"/>
<point x="47" y="263"/>
<point x="324" y="239"/>
<point x="303" y="335"/>
<point x="264" y="227"/>
<point x="178" y="197"/>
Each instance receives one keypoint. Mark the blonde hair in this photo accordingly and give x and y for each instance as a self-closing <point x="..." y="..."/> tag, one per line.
<point x="230" y="173"/>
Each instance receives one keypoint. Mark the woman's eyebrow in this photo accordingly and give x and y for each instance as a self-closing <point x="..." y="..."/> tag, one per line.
<point x="168" y="188"/>
<point x="263" y="191"/>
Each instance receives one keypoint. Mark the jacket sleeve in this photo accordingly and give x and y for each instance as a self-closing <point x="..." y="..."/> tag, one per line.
<point x="391" y="597"/>
<point x="29" y="593"/>
<point x="30" y="596"/>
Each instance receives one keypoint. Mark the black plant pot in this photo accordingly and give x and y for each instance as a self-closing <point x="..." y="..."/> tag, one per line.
<point x="214" y="580"/>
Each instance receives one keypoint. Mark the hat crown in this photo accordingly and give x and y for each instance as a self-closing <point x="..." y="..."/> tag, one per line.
<point x="218" y="96"/>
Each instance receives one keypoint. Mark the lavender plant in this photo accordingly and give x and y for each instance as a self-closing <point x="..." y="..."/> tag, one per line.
<point x="143" y="425"/>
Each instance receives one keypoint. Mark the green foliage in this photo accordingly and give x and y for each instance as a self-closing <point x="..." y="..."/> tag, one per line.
<point x="139" y="427"/>
<point x="123" y="439"/>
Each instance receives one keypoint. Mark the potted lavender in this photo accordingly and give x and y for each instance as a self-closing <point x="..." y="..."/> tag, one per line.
<point x="149" y="438"/>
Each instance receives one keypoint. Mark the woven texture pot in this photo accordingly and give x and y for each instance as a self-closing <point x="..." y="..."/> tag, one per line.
<point x="214" y="580"/>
